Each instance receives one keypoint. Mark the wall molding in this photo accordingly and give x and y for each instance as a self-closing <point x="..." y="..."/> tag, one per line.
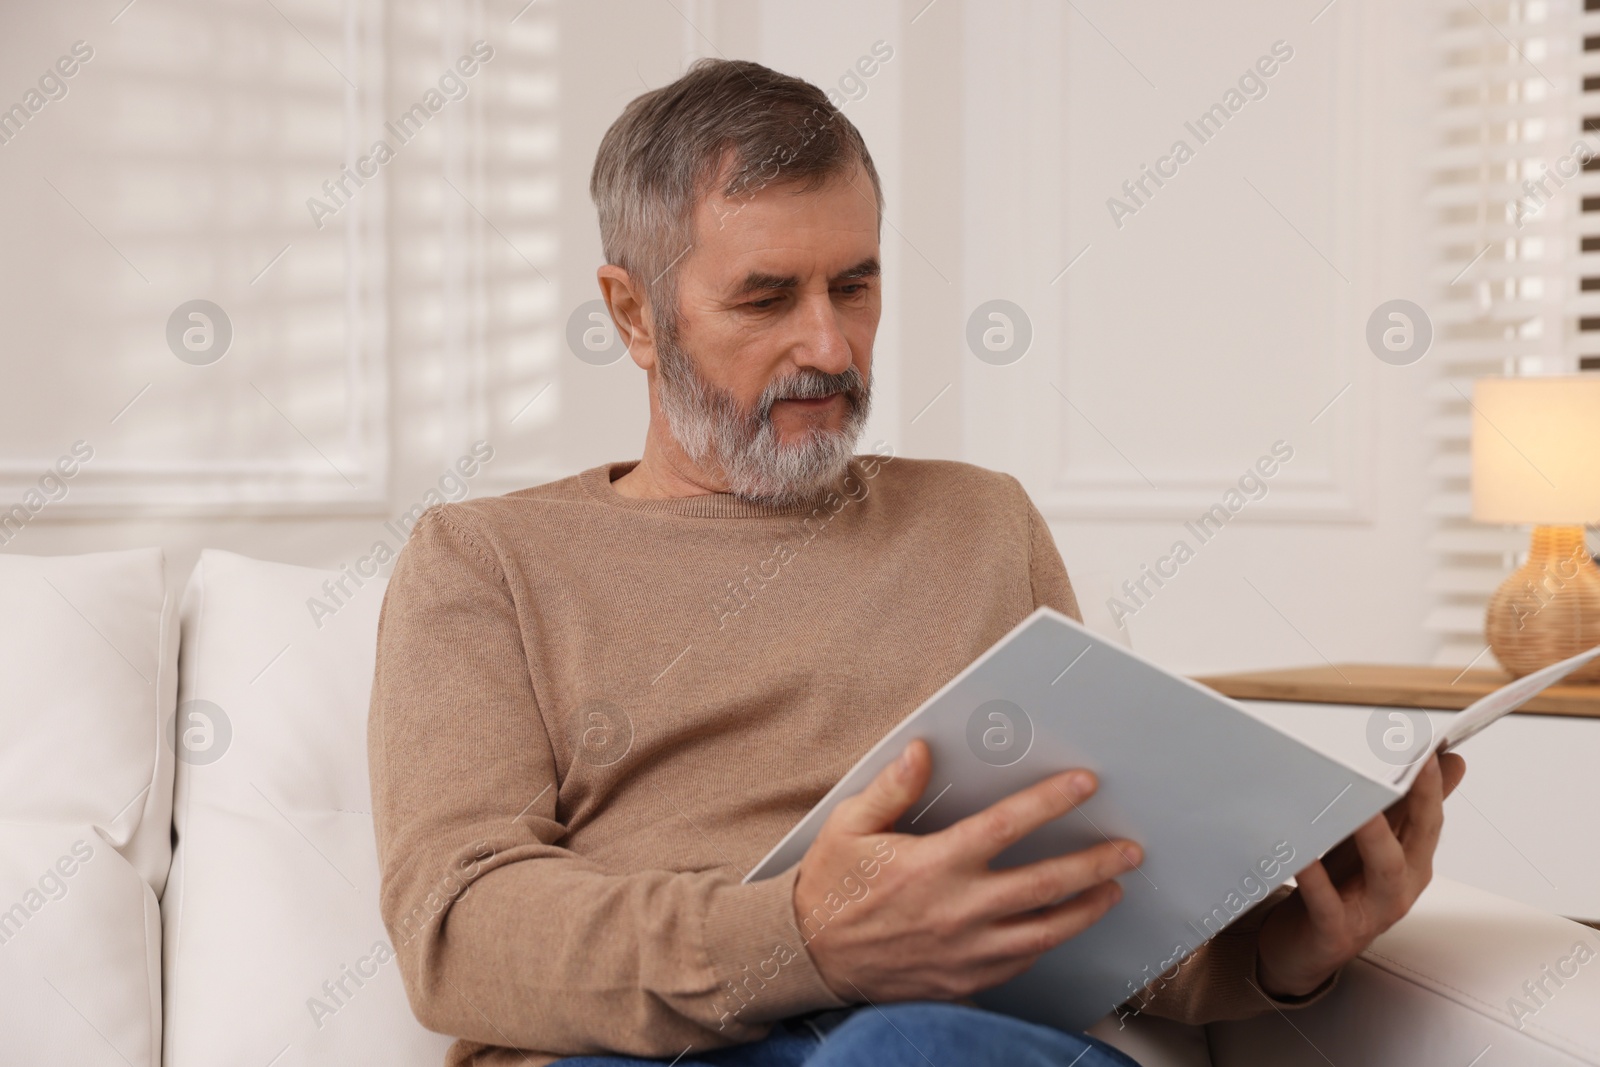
<point x="1022" y="420"/>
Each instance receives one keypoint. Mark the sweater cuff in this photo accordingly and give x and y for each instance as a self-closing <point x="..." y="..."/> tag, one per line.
<point x="758" y="955"/>
<point x="1235" y="960"/>
<point x="1302" y="1001"/>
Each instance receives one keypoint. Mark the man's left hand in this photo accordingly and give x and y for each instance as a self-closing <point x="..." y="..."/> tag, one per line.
<point x="1358" y="890"/>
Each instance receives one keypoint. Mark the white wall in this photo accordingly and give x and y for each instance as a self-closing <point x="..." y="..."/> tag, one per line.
<point x="1223" y="316"/>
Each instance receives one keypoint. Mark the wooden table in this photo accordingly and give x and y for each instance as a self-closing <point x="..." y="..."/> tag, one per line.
<point x="1387" y="685"/>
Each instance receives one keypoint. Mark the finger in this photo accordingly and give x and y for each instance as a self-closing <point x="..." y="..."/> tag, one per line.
<point x="1342" y="861"/>
<point x="983" y="836"/>
<point x="1028" y="937"/>
<point x="1454" y="768"/>
<point x="1048" y="882"/>
<point x="875" y="809"/>
<point x="1323" y="902"/>
<point x="1419" y="831"/>
<point x="1401" y="811"/>
<point x="1383" y="865"/>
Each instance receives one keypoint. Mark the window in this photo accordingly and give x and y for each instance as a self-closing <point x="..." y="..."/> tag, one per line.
<point x="1516" y="205"/>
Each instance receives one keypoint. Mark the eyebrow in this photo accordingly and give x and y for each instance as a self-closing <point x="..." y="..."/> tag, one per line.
<point x="761" y="281"/>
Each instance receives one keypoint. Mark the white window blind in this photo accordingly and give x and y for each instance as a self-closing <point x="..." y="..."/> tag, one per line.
<point x="1517" y="212"/>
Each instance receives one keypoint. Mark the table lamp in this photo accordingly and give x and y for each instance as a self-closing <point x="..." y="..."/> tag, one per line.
<point x="1536" y="459"/>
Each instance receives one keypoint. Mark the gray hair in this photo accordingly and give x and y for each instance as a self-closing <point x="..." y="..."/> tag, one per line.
<point x="732" y="121"/>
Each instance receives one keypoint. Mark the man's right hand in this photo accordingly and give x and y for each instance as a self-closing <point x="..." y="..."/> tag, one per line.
<point x="936" y="923"/>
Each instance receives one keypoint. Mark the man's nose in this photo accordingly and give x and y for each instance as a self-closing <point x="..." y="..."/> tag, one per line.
<point x="820" y="342"/>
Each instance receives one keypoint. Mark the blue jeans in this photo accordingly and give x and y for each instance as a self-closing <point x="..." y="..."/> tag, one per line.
<point x="898" y="1035"/>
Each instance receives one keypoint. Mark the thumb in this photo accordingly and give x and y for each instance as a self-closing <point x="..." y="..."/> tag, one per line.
<point x="896" y="788"/>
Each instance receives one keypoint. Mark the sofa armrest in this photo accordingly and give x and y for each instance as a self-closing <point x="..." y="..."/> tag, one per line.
<point x="1465" y="972"/>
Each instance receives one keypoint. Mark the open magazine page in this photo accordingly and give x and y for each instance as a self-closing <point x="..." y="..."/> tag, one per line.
<point x="1502" y="701"/>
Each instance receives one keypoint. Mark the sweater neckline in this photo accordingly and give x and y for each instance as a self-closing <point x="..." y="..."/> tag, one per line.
<point x="596" y="483"/>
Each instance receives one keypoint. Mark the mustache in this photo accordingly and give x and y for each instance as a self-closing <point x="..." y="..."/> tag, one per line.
<point x="812" y="385"/>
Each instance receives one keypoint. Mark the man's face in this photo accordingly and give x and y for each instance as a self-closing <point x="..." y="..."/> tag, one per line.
<point x="768" y="371"/>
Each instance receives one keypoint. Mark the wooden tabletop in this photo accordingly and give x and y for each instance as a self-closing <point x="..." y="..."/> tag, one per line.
<point x="1388" y="685"/>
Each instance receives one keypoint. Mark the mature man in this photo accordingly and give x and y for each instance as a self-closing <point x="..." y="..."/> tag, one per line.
<point x="599" y="701"/>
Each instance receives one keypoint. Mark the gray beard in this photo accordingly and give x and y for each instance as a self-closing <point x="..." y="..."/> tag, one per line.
<point x="716" y="433"/>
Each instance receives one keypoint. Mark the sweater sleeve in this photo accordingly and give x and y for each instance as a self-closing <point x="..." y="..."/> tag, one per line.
<point x="1051" y="587"/>
<point x="503" y="936"/>
<point x="1218" y="981"/>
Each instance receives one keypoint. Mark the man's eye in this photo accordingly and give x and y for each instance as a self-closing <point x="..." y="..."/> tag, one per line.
<point x="764" y="303"/>
<point x="853" y="288"/>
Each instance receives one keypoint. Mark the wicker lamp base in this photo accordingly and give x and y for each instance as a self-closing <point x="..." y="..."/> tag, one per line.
<point x="1549" y="608"/>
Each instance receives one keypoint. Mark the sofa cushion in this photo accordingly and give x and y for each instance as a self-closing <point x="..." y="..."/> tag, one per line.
<point x="88" y="666"/>
<point x="275" y="949"/>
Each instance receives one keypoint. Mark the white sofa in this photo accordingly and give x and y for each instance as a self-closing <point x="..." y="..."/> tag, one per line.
<point x="256" y="939"/>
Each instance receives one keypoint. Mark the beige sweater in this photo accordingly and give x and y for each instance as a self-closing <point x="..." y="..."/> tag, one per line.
<point x="591" y="714"/>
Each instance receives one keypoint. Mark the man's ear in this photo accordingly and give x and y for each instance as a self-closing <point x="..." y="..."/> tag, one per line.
<point x="630" y="311"/>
